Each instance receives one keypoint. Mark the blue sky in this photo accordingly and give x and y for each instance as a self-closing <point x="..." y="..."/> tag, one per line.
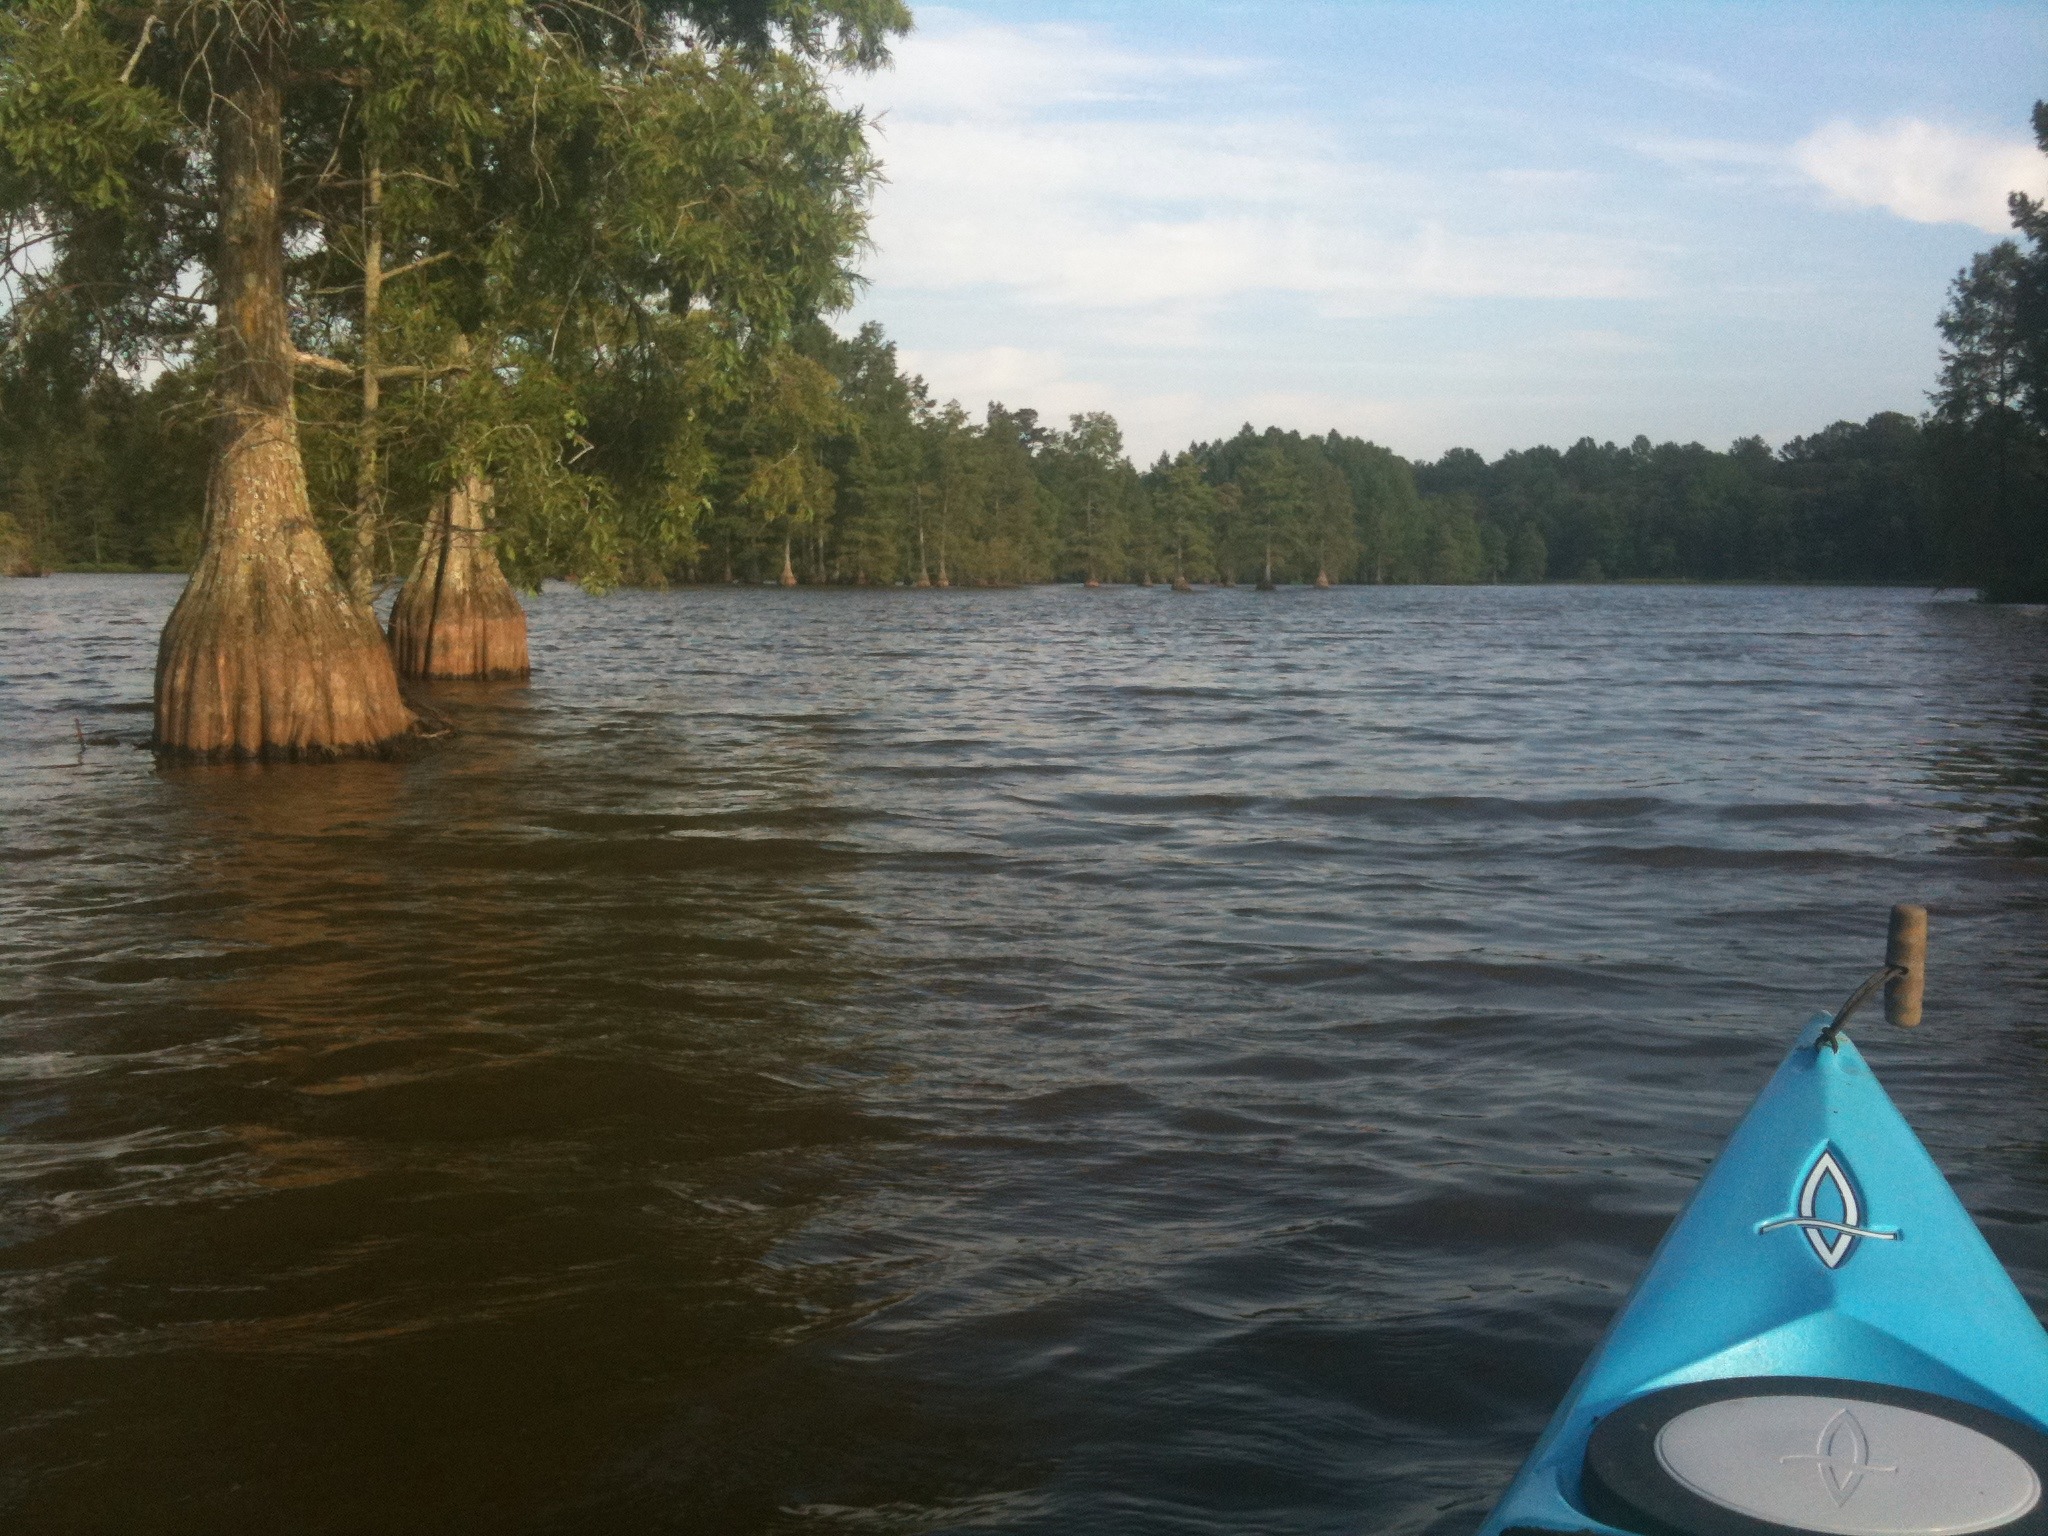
<point x="1443" y="224"/>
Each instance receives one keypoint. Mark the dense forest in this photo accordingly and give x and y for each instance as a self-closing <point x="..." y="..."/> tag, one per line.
<point x="906" y="490"/>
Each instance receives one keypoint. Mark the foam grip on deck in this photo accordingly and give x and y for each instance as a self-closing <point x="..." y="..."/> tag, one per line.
<point x="1768" y="1455"/>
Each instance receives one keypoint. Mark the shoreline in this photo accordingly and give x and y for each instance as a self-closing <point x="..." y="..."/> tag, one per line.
<point x="1731" y="583"/>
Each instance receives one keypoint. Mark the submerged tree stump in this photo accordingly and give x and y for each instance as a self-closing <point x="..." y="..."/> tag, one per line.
<point x="267" y="655"/>
<point x="457" y="616"/>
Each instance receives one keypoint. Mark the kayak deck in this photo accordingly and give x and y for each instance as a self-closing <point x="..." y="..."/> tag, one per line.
<point x="1824" y="1244"/>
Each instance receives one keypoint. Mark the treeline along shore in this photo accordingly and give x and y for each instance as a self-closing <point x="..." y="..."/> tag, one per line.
<point x="913" y="493"/>
<point x="309" y="298"/>
<point x="876" y="483"/>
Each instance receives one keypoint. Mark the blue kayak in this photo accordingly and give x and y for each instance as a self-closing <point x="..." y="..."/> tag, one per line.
<point x="1823" y="1342"/>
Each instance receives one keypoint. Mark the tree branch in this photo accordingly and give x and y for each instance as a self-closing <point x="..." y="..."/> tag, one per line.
<point x="414" y="266"/>
<point x="325" y="364"/>
<point x="141" y="42"/>
<point x="334" y="365"/>
<point x="416" y="371"/>
<point x="178" y="199"/>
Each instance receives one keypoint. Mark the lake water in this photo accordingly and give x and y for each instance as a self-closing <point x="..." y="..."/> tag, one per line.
<point x="1041" y="1061"/>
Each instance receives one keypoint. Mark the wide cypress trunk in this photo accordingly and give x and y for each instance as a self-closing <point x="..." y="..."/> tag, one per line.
<point x="457" y="616"/>
<point x="266" y="654"/>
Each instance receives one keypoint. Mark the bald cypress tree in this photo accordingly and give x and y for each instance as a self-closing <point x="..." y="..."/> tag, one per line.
<point x="158" y="161"/>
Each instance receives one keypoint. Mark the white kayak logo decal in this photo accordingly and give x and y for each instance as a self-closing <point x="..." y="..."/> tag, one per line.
<point x="1832" y="1240"/>
<point x="1842" y="1456"/>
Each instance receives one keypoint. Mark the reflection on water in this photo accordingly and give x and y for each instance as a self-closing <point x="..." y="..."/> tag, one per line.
<point x="1040" y="1061"/>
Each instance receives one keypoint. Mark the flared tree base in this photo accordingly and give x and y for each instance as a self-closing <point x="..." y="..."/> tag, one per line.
<point x="457" y="617"/>
<point x="267" y="659"/>
<point x="463" y="637"/>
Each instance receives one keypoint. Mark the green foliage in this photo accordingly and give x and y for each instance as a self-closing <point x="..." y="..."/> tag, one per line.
<point x="596" y="229"/>
<point x="108" y="476"/>
<point x="823" y="441"/>
<point x="902" y="490"/>
<point x="1988" y="433"/>
<point x="634" y="244"/>
<point x="1186" y="515"/>
<point x="1094" y="493"/>
<point x="1528" y="555"/>
<point x="2030" y="294"/>
<point x="1846" y="504"/>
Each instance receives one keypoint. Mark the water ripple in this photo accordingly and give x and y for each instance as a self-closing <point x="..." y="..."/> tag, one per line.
<point x="1038" y="1061"/>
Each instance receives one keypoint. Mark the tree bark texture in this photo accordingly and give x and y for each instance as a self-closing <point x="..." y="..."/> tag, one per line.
<point x="457" y="616"/>
<point x="266" y="654"/>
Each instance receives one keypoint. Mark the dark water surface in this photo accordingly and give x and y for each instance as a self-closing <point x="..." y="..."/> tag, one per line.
<point x="1042" y="1061"/>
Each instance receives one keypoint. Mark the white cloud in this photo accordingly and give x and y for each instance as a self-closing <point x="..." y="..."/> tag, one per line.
<point x="1599" y="344"/>
<point x="1046" y="162"/>
<point x="954" y="67"/>
<point x="1170" y="421"/>
<point x="1410" y="236"/>
<point x="1681" y="77"/>
<point x="1412" y="418"/>
<point x="1017" y="375"/>
<point x="1921" y="171"/>
<point x="1043" y="378"/>
<point x="1745" y="154"/>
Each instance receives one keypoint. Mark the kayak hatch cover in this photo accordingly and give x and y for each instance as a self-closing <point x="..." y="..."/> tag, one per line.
<point x="1823" y="1342"/>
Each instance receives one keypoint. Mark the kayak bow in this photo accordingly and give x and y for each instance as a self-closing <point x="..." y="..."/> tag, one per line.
<point x="1823" y="1342"/>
